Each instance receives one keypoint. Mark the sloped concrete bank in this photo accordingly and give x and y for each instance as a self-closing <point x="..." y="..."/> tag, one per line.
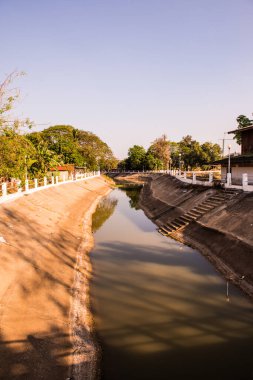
<point x="224" y="234"/>
<point x="46" y="329"/>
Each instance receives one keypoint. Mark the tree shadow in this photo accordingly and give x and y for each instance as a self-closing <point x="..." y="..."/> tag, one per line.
<point x="160" y="316"/>
<point x="38" y="263"/>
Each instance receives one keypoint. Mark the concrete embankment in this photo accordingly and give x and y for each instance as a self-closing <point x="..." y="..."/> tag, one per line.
<point x="224" y="234"/>
<point x="45" y="323"/>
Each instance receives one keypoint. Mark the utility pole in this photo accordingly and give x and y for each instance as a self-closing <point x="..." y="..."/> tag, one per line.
<point x="223" y="143"/>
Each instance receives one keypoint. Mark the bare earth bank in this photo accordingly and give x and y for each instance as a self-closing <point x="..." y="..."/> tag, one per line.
<point x="44" y="269"/>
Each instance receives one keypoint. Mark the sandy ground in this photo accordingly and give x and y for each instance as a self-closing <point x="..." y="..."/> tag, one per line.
<point x="44" y="269"/>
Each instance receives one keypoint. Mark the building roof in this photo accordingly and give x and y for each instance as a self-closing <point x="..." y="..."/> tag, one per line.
<point x="60" y="168"/>
<point x="241" y="159"/>
<point x="242" y="129"/>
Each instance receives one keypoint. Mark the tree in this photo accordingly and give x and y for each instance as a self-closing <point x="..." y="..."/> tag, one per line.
<point x="152" y="163"/>
<point x="191" y="152"/>
<point x="210" y="153"/>
<point x="160" y="149"/>
<point x="8" y="97"/>
<point x="136" y="158"/>
<point x="17" y="154"/>
<point x="78" y="147"/>
<point x="44" y="157"/>
<point x="16" y="151"/>
<point x="243" y="122"/>
<point x="95" y="152"/>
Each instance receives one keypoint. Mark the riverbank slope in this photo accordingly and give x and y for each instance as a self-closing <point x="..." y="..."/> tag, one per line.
<point x="44" y="269"/>
<point x="224" y="234"/>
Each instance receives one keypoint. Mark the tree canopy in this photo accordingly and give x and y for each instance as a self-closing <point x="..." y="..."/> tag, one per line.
<point x="163" y="154"/>
<point x="243" y="122"/>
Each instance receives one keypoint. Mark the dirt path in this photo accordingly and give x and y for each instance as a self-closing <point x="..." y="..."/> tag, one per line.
<point x="43" y="287"/>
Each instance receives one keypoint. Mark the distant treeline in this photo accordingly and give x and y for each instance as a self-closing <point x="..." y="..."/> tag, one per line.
<point x="33" y="154"/>
<point x="164" y="154"/>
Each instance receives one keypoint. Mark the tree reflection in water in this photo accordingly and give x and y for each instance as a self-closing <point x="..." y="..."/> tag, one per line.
<point x="134" y="194"/>
<point x="103" y="212"/>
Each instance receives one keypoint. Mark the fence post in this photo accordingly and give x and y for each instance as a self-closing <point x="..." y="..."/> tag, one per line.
<point x="52" y="181"/>
<point x="45" y="181"/>
<point x="57" y="180"/>
<point x="184" y="175"/>
<point x="229" y="182"/>
<point x="26" y="185"/>
<point x="194" y="178"/>
<point x="245" y="181"/>
<point x="35" y="183"/>
<point x="4" y="189"/>
<point x="210" y="177"/>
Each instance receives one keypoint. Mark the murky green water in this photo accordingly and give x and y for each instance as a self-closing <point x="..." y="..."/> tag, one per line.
<point x="161" y="310"/>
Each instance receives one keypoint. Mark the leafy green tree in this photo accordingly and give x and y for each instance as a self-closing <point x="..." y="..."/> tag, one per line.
<point x="136" y="158"/>
<point x="95" y="152"/>
<point x="151" y="162"/>
<point x="160" y="150"/>
<point x="17" y="155"/>
<point x="243" y="122"/>
<point x="62" y="139"/>
<point x="210" y="153"/>
<point x="191" y="152"/>
<point x="16" y="151"/>
<point x="44" y="157"/>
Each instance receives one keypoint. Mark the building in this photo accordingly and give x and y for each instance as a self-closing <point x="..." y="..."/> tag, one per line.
<point x="67" y="171"/>
<point x="63" y="171"/>
<point x="240" y="164"/>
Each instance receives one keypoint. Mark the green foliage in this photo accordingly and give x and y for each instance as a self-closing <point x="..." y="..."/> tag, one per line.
<point x="243" y="122"/>
<point x="44" y="157"/>
<point x="160" y="150"/>
<point x="95" y="152"/>
<point x="37" y="152"/>
<point x="163" y="154"/>
<point x="136" y="158"/>
<point x="17" y="155"/>
<point x="194" y="154"/>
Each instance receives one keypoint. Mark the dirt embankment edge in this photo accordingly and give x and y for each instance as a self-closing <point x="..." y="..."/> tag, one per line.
<point x="46" y="328"/>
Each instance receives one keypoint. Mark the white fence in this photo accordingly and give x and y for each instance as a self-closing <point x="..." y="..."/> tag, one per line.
<point x="8" y="194"/>
<point x="191" y="177"/>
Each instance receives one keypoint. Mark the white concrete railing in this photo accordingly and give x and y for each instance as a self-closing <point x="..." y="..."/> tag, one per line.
<point x="245" y="183"/>
<point x="182" y="176"/>
<point x="191" y="177"/>
<point x="34" y="185"/>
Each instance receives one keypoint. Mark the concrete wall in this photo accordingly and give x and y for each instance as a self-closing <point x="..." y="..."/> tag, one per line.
<point x="237" y="173"/>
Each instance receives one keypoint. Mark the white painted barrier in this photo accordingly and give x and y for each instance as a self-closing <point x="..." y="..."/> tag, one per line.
<point x="8" y="197"/>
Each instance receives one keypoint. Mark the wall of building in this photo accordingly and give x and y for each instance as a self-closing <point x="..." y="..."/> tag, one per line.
<point x="237" y="173"/>
<point x="247" y="142"/>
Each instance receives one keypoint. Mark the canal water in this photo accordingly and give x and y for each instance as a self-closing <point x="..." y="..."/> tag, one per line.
<point x="161" y="310"/>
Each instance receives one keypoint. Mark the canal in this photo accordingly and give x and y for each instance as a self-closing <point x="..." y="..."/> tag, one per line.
<point x="161" y="311"/>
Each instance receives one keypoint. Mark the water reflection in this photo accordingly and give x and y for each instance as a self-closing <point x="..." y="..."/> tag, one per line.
<point x="134" y="195"/>
<point x="161" y="310"/>
<point x="103" y="211"/>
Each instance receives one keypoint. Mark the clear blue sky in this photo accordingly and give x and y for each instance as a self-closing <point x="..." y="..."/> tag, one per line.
<point x="131" y="70"/>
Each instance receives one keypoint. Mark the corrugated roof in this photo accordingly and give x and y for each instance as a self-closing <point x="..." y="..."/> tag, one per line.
<point x="241" y="129"/>
<point x="242" y="159"/>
